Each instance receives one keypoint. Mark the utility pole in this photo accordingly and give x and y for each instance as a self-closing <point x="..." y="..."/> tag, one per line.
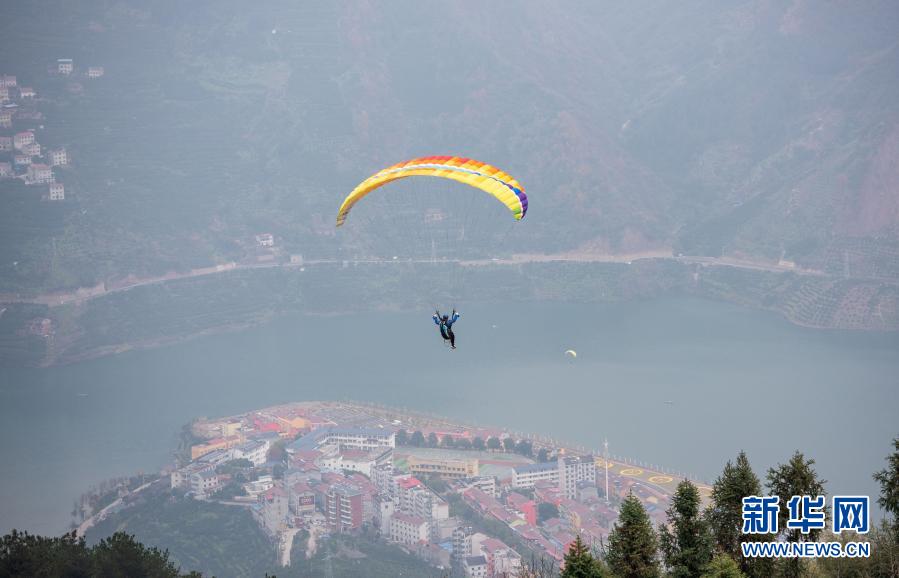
<point x="605" y="459"/>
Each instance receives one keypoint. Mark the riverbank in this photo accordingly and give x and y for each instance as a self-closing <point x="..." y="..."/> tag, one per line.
<point x="164" y="311"/>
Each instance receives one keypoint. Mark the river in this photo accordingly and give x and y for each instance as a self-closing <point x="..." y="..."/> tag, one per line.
<point x="681" y="383"/>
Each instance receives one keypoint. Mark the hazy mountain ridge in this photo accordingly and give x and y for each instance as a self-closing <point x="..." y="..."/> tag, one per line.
<point x="762" y="131"/>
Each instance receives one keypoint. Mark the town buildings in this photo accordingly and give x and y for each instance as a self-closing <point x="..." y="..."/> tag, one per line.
<point x="345" y="477"/>
<point x="204" y="483"/>
<point x="21" y="155"/>
<point x="475" y="567"/>
<point x="408" y="528"/>
<point x="528" y="475"/>
<point x="343" y="508"/>
<point x="59" y="157"/>
<point x="452" y="468"/>
<point x="573" y="470"/>
<point x="39" y="174"/>
<point x="57" y="192"/>
<point x="20" y="139"/>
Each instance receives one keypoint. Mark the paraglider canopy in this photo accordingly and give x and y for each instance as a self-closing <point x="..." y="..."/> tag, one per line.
<point x="480" y="175"/>
<point x="571" y="353"/>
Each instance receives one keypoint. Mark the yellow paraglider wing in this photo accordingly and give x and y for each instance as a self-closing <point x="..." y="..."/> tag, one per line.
<point x="464" y="170"/>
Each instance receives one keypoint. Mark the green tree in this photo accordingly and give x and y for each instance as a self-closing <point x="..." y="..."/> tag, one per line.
<point x="884" y="559"/>
<point x="417" y="439"/>
<point x="725" y="515"/>
<point x="119" y="555"/>
<point x="447" y="441"/>
<point x="437" y="483"/>
<point x="229" y="490"/>
<point x="632" y="543"/>
<point x="546" y="511"/>
<point x="277" y="452"/>
<point x="524" y="448"/>
<point x="463" y="444"/>
<point x="852" y="567"/>
<point x="542" y="455"/>
<point x="580" y="563"/>
<point x="888" y="478"/>
<point x="687" y="545"/>
<point x="432" y="440"/>
<point x="509" y="444"/>
<point x="22" y="554"/>
<point x="794" y="478"/>
<point x="722" y="566"/>
<point x="493" y="443"/>
<point x="478" y="443"/>
<point x="402" y="437"/>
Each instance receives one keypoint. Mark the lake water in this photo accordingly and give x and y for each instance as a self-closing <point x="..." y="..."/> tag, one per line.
<point x="737" y="378"/>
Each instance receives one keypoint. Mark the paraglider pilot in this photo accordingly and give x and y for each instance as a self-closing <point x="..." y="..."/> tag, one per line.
<point x="445" y="322"/>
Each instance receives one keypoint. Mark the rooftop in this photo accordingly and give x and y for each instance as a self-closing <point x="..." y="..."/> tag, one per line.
<point x="409" y="519"/>
<point x="540" y="467"/>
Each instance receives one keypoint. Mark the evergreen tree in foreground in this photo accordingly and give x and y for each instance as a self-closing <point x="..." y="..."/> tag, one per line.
<point x="725" y="515"/>
<point x="888" y="479"/>
<point x="632" y="543"/>
<point x="580" y="563"/>
<point x="22" y="554"/>
<point x="687" y="545"/>
<point x="794" y="478"/>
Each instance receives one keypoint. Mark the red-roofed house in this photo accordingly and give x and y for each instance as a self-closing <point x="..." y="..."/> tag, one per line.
<point x="264" y="425"/>
<point x="525" y="506"/>
<point x="23" y="138"/>
<point x="408" y="483"/>
<point x="548" y="492"/>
